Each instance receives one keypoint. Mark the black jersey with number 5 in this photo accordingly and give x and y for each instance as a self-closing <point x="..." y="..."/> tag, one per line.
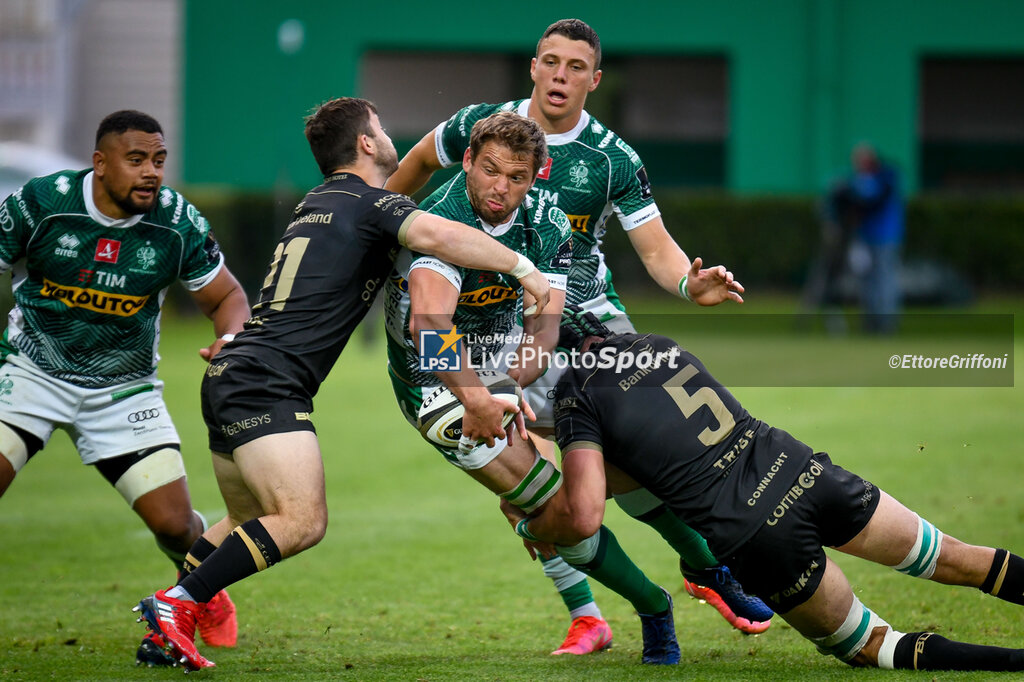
<point x="323" y="277"/>
<point x="656" y="413"/>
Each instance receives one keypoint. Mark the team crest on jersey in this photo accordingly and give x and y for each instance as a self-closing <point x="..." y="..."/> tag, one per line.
<point x="578" y="174"/>
<point x="63" y="185"/>
<point x="545" y="170"/>
<point x="6" y="384"/>
<point x="166" y="197"/>
<point x="107" y="250"/>
<point x="146" y="256"/>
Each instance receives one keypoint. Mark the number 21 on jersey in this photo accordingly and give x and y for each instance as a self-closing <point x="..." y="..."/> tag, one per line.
<point x="291" y="255"/>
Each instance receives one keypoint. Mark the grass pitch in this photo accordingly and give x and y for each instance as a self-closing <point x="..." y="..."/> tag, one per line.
<point x="420" y="578"/>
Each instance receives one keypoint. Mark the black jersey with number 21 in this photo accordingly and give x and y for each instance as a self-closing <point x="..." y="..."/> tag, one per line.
<point x="323" y="277"/>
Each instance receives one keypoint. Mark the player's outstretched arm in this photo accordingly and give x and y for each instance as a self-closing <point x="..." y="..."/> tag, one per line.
<point x="667" y="264"/>
<point x="223" y="300"/>
<point x="468" y="247"/>
<point x="415" y="168"/>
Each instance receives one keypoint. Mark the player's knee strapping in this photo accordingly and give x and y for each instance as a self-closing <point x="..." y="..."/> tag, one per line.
<point x="12" y="446"/>
<point x="853" y="634"/>
<point x="924" y="555"/>
<point x="156" y="468"/>
<point x="537" y="486"/>
<point x="1006" y="577"/>
<point x="583" y="553"/>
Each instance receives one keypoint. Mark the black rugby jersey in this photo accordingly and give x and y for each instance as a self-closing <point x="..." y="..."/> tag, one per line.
<point x="323" y="277"/>
<point x="666" y="422"/>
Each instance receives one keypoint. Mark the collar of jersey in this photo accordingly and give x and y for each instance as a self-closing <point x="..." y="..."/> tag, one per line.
<point x="94" y="212"/>
<point x="559" y="138"/>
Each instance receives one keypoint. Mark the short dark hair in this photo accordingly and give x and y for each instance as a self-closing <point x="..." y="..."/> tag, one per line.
<point x="521" y="135"/>
<point x="575" y="29"/>
<point x="333" y="128"/>
<point x="127" y="119"/>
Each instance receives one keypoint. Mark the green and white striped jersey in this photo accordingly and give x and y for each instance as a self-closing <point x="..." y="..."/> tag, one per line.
<point x="591" y="173"/>
<point x="88" y="288"/>
<point x="490" y="303"/>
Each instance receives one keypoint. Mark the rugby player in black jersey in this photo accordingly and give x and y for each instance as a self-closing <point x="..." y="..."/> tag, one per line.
<point x="257" y="395"/>
<point x="637" y="408"/>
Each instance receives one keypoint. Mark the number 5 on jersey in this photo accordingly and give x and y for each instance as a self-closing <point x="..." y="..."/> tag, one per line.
<point x="705" y="395"/>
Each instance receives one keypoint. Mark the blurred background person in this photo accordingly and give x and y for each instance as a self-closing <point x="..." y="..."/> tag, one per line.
<point x="875" y="200"/>
<point x="823" y="290"/>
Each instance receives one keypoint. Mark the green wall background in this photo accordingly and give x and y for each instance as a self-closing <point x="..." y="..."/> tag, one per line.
<point x="807" y="78"/>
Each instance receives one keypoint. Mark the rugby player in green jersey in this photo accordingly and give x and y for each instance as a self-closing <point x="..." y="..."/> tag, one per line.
<point x="92" y="254"/>
<point x="591" y="174"/>
<point x="425" y="294"/>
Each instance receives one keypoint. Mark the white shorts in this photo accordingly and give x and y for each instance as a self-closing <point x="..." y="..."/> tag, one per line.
<point x="102" y="422"/>
<point x="540" y="395"/>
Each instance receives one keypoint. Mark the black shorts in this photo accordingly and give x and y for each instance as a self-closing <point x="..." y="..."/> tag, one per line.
<point x="784" y="561"/>
<point x="244" y="399"/>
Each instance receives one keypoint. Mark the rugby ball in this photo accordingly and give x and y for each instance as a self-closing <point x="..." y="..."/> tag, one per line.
<point x="440" y="415"/>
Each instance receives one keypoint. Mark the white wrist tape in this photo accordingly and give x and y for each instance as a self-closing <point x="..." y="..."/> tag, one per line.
<point x="523" y="267"/>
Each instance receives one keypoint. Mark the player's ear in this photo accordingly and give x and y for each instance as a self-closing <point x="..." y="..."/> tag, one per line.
<point x="99" y="163"/>
<point x="594" y="83"/>
<point x="365" y="144"/>
<point x="467" y="159"/>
